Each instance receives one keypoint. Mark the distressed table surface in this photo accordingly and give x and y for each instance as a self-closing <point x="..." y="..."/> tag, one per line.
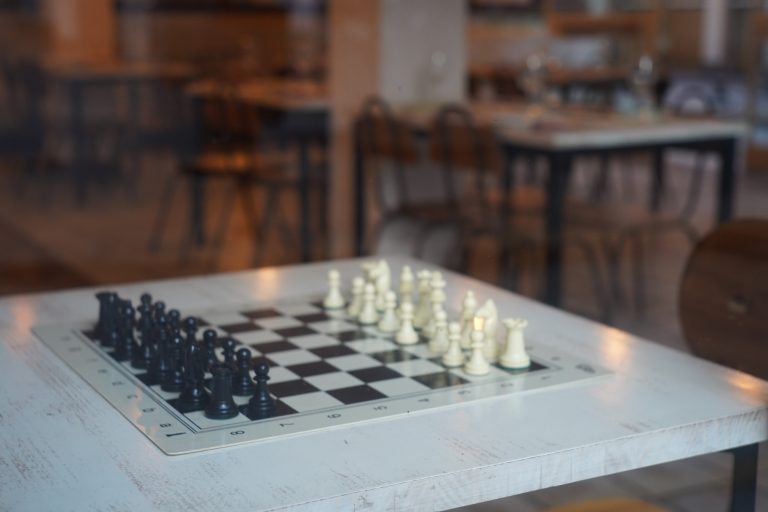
<point x="63" y="446"/>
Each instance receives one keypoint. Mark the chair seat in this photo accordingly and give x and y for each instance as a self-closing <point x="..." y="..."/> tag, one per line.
<point x="609" y="505"/>
<point x="258" y="166"/>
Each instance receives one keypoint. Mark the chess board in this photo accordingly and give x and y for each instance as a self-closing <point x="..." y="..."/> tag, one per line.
<point x="326" y="371"/>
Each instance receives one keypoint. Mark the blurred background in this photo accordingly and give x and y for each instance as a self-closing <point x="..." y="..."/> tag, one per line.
<point x="574" y="151"/>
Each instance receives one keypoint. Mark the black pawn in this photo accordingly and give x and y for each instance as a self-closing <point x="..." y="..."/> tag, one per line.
<point x="194" y="396"/>
<point x="146" y="300"/>
<point x="261" y="405"/>
<point x="229" y="345"/>
<point x="174" y="318"/>
<point x="190" y="329"/>
<point x="208" y="356"/>
<point x="125" y="345"/>
<point x="221" y="406"/>
<point x="143" y="355"/>
<point x="106" y="313"/>
<point x="243" y="385"/>
<point x="160" y="365"/>
<point x="174" y="378"/>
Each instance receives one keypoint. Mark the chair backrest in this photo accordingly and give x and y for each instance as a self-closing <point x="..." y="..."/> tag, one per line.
<point x="229" y="124"/>
<point x="723" y="301"/>
<point x="463" y="149"/>
<point x="381" y="137"/>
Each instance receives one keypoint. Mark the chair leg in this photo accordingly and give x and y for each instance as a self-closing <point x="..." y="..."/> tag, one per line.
<point x="166" y="198"/>
<point x="602" y="294"/>
<point x="638" y="274"/>
<point x="221" y="230"/>
<point x="260" y="239"/>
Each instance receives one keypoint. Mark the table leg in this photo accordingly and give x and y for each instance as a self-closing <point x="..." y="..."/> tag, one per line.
<point x="727" y="187"/>
<point x="79" y="167"/>
<point x="506" y="276"/>
<point x="657" y="184"/>
<point x="197" y="207"/>
<point x="304" y="207"/>
<point x="559" y="169"/>
<point x="744" y="484"/>
<point x="359" y="192"/>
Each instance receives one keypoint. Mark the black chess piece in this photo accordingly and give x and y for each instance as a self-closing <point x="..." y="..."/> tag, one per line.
<point x="125" y="345"/>
<point x="174" y="378"/>
<point x="146" y="300"/>
<point x="243" y="385"/>
<point x="229" y="346"/>
<point x="174" y="318"/>
<point x="106" y="313"/>
<point x="194" y="395"/>
<point x="190" y="329"/>
<point x="208" y="355"/>
<point x="160" y="365"/>
<point x="221" y="406"/>
<point x="143" y="355"/>
<point x="261" y="405"/>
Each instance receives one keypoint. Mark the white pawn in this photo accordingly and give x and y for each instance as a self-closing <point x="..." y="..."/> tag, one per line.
<point x="437" y="299"/>
<point x="407" y="334"/>
<point x="468" y="308"/>
<point x="477" y="365"/>
<point x="515" y="357"/>
<point x="368" y="313"/>
<point x="356" y="304"/>
<point x="382" y="283"/>
<point x="334" y="299"/>
<point x="389" y="321"/>
<point x="454" y="357"/>
<point x="422" y="311"/>
<point x="406" y="285"/>
<point x="439" y="341"/>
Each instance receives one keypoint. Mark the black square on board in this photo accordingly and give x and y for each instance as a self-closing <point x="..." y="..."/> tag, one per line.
<point x="258" y="314"/>
<point x="393" y="356"/>
<point x="281" y="409"/>
<point x="533" y="368"/>
<point x="356" y="394"/>
<point x="346" y="336"/>
<point x="292" y="387"/>
<point x="274" y="346"/>
<point x="312" y="317"/>
<point x="241" y="327"/>
<point x="292" y="332"/>
<point x="333" y="351"/>
<point x="375" y="374"/>
<point x="184" y="409"/>
<point x="439" y="380"/>
<point x="310" y="369"/>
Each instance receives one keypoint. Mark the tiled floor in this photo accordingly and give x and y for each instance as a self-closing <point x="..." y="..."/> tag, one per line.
<point x="106" y="241"/>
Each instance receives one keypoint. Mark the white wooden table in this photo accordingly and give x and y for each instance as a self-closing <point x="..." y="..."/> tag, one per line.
<point x="63" y="447"/>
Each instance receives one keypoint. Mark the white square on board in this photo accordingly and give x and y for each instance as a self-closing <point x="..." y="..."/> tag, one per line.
<point x="290" y="357"/>
<point x="335" y="380"/>
<point x="398" y="387"/>
<point x="353" y="362"/>
<point x="280" y="374"/>
<point x="298" y="309"/>
<point x="314" y="341"/>
<point x="199" y="419"/>
<point x="415" y="367"/>
<point x="255" y="337"/>
<point x="278" y="322"/>
<point x="224" y="318"/>
<point x="371" y="345"/>
<point x="311" y="401"/>
<point x="332" y="326"/>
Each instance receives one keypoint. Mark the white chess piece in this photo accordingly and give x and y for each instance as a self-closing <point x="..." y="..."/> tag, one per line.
<point x="369" y="271"/>
<point x="438" y="343"/>
<point x="383" y="283"/>
<point x="368" y="313"/>
<point x="406" y="335"/>
<point x="454" y="357"/>
<point x="437" y="300"/>
<point x="477" y="365"/>
<point x="468" y="308"/>
<point x="515" y="357"/>
<point x="422" y="310"/>
<point x="490" y="316"/>
<point x="334" y="299"/>
<point x="356" y="304"/>
<point x="389" y="321"/>
<point x="406" y="285"/>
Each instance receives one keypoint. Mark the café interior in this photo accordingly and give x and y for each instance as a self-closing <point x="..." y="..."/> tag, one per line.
<point x="577" y="152"/>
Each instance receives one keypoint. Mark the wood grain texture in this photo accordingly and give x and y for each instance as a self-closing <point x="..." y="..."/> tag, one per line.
<point x="62" y="445"/>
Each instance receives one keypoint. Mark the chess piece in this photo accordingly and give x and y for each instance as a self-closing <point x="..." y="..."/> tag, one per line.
<point x="438" y="343"/>
<point x="174" y="318"/>
<point x="143" y="355"/>
<point x="477" y="365"/>
<point x="356" y="304"/>
<point x="243" y="385"/>
<point x="406" y="335"/>
<point x="389" y="321"/>
<point x="190" y="329"/>
<point x="406" y="285"/>
<point x="261" y="405"/>
<point x="454" y="356"/>
<point x="208" y="355"/>
<point x="383" y="280"/>
<point x="146" y="300"/>
<point x="194" y="396"/>
<point x="422" y="310"/>
<point x="159" y="365"/>
<point x="490" y="316"/>
<point x="126" y="346"/>
<point x="334" y="299"/>
<point x="221" y="405"/>
<point x="436" y="301"/>
<point x="174" y="378"/>
<point x="368" y="314"/>
<point x="229" y="345"/>
<point x="515" y="357"/>
<point x="105" y="321"/>
<point x="468" y="308"/>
